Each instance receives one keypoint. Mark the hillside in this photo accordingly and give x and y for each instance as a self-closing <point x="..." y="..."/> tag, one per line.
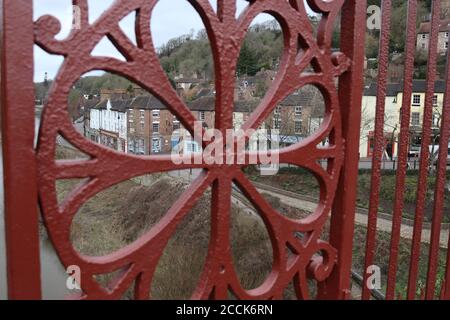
<point x="191" y="55"/>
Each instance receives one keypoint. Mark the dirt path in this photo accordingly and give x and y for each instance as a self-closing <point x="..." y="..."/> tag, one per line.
<point x="361" y="219"/>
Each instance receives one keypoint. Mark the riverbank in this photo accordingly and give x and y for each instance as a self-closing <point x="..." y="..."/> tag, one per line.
<point x="121" y="214"/>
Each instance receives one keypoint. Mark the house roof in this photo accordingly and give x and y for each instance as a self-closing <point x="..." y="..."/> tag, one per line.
<point x="260" y="76"/>
<point x="90" y="103"/>
<point x="392" y="89"/>
<point x="245" y="105"/>
<point x="204" y="92"/>
<point x="140" y="102"/>
<point x="296" y="100"/>
<point x="425" y="27"/>
<point x="206" y="103"/>
<point x="203" y="103"/>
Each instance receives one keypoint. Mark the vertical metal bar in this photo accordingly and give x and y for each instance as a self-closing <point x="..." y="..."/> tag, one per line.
<point x="350" y="96"/>
<point x="439" y="198"/>
<point x="424" y="152"/>
<point x="17" y="98"/>
<point x="403" y="148"/>
<point x="441" y="171"/>
<point x="379" y="143"/>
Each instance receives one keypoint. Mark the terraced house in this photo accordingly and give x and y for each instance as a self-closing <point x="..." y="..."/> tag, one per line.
<point x="393" y="105"/>
<point x="423" y="36"/>
<point x="142" y="125"/>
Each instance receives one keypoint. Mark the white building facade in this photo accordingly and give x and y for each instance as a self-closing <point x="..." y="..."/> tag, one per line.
<point x="111" y="127"/>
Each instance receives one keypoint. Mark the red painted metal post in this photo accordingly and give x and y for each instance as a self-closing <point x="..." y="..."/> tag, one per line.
<point x="350" y="96"/>
<point x="140" y="258"/>
<point x="424" y="153"/>
<point x="226" y="34"/>
<point x="17" y="99"/>
<point x="403" y="149"/>
<point x="379" y="143"/>
<point x="439" y="192"/>
<point x="441" y="184"/>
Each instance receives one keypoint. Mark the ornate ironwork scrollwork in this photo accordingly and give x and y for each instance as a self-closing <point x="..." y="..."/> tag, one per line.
<point x="226" y="33"/>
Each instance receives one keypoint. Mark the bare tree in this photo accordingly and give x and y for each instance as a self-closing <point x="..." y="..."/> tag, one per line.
<point x="368" y="124"/>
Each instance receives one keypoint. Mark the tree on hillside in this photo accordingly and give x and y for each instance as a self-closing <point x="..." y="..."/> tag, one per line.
<point x="261" y="88"/>
<point x="190" y="55"/>
<point x="398" y="23"/>
<point x="248" y="63"/>
<point x="372" y="46"/>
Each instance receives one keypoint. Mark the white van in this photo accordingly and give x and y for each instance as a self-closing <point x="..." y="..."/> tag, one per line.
<point x="434" y="151"/>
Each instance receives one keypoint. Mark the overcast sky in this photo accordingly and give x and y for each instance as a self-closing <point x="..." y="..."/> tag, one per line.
<point x="172" y="18"/>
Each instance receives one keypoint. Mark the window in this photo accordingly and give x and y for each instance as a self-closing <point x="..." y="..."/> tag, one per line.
<point x="436" y="119"/>
<point x="423" y="45"/>
<point x="130" y="146"/>
<point x="201" y="116"/>
<point x="415" y="119"/>
<point x="298" y="112"/>
<point x="176" y="125"/>
<point x="131" y="130"/>
<point x="191" y="147"/>
<point x="156" y="145"/>
<point x="277" y="123"/>
<point x="416" y="100"/>
<point x="277" y="110"/>
<point x="156" y="127"/>
<point x="446" y="34"/>
<point x="435" y="100"/>
<point x="142" y="114"/>
<point x="142" y="125"/>
<point x="141" y="147"/>
<point x="298" y="127"/>
<point x="446" y="45"/>
<point x="424" y="36"/>
<point x="156" y="113"/>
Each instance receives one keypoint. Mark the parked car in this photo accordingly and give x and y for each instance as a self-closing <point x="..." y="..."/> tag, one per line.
<point x="414" y="152"/>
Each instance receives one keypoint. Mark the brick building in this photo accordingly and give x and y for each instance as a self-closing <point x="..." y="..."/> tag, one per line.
<point x="143" y="125"/>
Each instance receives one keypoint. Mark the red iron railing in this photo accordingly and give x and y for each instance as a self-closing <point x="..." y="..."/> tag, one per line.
<point x="30" y="174"/>
<point x="404" y="143"/>
<point x="28" y="171"/>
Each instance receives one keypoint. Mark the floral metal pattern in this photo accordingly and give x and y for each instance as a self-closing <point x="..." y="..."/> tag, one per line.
<point x="302" y="48"/>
